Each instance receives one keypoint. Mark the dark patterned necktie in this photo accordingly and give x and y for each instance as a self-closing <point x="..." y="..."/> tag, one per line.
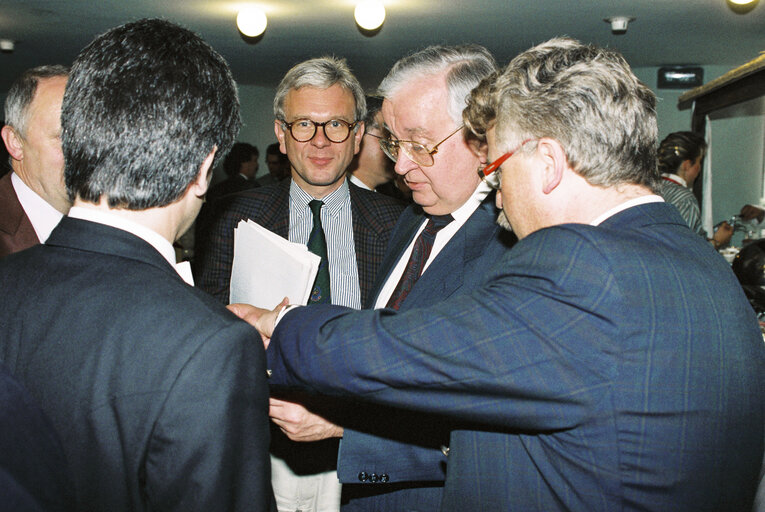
<point x="420" y="253"/>
<point x="317" y="244"/>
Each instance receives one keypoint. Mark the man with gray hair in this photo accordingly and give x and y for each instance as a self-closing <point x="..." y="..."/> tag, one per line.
<point x="33" y="197"/>
<point x="610" y="362"/>
<point x="443" y="245"/>
<point x="318" y="108"/>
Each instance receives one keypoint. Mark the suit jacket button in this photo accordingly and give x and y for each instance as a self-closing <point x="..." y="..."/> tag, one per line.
<point x="445" y="450"/>
<point x="384" y="477"/>
<point x="363" y="476"/>
<point x="374" y="478"/>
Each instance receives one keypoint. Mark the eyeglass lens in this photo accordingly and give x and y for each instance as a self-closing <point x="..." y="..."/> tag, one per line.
<point x="336" y="130"/>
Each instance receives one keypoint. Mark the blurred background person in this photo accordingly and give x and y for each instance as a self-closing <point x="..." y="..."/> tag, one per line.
<point x="680" y="156"/>
<point x="240" y="166"/>
<point x="33" y="197"/>
<point x="371" y="168"/>
<point x="278" y="165"/>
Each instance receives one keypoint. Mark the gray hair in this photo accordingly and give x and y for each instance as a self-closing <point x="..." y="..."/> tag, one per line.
<point x="468" y="64"/>
<point x="588" y="99"/>
<point x="322" y="73"/>
<point x="22" y="92"/>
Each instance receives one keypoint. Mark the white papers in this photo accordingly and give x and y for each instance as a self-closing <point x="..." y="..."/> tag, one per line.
<point x="267" y="268"/>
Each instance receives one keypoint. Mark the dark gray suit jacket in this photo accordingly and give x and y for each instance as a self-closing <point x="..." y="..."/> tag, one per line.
<point x="158" y="392"/>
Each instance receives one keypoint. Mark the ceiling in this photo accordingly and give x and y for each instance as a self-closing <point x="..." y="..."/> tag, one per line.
<point x="665" y="32"/>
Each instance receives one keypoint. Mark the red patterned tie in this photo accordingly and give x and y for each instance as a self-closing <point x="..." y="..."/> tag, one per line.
<point x="420" y="253"/>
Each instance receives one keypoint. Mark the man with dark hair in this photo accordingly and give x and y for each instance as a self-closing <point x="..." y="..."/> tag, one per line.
<point x="158" y="393"/>
<point x="240" y="165"/>
<point x="33" y="197"/>
<point x="371" y="168"/>
<point x="318" y="108"/>
<point x="611" y="360"/>
<point x="278" y="165"/>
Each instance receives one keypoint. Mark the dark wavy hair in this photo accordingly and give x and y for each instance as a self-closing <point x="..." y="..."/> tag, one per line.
<point x="146" y="102"/>
<point x="240" y="152"/>
<point x="677" y="147"/>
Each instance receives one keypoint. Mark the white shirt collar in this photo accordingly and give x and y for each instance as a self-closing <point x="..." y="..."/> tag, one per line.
<point x="41" y="214"/>
<point x="464" y="212"/>
<point x="356" y="181"/>
<point x="675" y="177"/>
<point x="160" y="243"/>
<point x="650" y="198"/>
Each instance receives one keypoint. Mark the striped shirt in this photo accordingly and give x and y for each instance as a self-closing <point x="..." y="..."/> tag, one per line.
<point x="683" y="199"/>
<point x="336" y="220"/>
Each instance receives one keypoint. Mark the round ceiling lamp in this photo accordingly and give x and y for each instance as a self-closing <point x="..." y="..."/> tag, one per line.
<point x="251" y="21"/>
<point x="742" y="6"/>
<point x="369" y="14"/>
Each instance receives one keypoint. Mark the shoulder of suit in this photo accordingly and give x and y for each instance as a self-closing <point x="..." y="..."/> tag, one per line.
<point x="378" y="204"/>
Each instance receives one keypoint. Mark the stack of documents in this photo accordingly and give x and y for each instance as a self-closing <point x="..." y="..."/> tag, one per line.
<point x="267" y="268"/>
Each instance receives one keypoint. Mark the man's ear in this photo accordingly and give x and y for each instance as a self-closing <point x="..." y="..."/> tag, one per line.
<point x="358" y="136"/>
<point x="279" y="132"/>
<point x="480" y="148"/>
<point x="12" y="142"/>
<point x="555" y="163"/>
<point x="202" y="182"/>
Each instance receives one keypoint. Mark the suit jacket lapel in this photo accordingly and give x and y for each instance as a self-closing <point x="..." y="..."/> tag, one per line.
<point x="402" y="236"/>
<point x="445" y="274"/>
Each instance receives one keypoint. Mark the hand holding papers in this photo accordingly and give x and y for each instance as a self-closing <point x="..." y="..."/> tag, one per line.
<point x="266" y="268"/>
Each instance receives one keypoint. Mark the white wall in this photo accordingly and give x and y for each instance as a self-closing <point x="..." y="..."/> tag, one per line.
<point x="257" y="122"/>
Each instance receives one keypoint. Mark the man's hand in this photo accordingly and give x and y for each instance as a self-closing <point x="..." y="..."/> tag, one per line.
<point x="749" y="212"/>
<point x="722" y="236"/>
<point x="300" y="424"/>
<point x="262" y="319"/>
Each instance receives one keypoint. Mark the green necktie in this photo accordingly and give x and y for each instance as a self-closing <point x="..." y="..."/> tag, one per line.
<point x="317" y="244"/>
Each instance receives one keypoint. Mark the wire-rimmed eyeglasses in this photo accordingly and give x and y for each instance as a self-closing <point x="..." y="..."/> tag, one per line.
<point x="416" y="152"/>
<point x="335" y="130"/>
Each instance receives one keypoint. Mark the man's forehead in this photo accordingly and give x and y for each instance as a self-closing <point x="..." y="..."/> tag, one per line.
<point x="314" y="102"/>
<point x="417" y="113"/>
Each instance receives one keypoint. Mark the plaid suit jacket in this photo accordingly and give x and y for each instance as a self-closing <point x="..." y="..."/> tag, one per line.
<point x="602" y="368"/>
<point x="374" y="216"/>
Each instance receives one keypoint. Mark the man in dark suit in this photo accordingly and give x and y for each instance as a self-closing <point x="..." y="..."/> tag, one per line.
<point x="158" y="393"/>
<point x="33" y="469"/>
<point x="33" y="197"/>
<point x="240" y="166"/>
<point x="612" y="361"/>
<point x="401" y="467"/>
<point x="318" y="109"/>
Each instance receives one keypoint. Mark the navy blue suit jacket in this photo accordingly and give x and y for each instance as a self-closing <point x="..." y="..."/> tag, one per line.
<point x="607" y="368"/>
<point x="158" y="393"/>
<point x="459" y="267"/>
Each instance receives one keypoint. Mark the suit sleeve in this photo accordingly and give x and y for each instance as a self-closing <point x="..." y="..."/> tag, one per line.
<point x="498" y="356"/>
<point x="213" y="271"/>
<point x="209" y="448"/>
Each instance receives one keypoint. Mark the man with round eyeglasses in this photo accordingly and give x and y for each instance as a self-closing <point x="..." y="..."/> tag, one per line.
<point x="390" y="460"/>
<point x="599" y="368"/>
<point x="318" y="108"/>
